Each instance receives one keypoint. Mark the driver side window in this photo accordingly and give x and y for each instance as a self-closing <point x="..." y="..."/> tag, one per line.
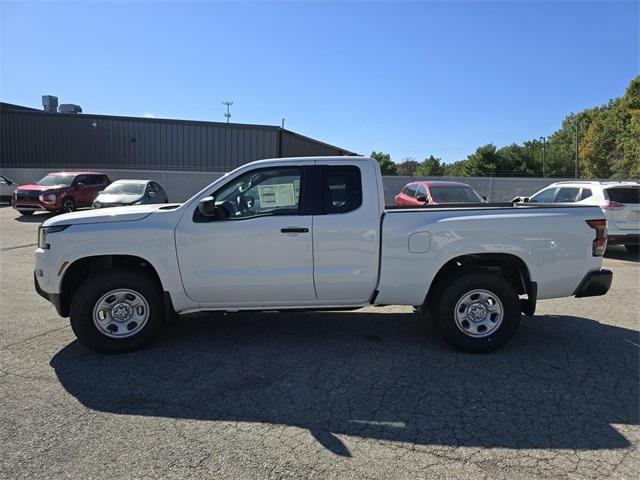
<point x="265" y="192"/>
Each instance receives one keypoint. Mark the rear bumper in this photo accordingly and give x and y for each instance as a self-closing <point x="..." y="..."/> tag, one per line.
<point x="594" y="283"/>
<point x="54" y="298"/>
<point x="627" y="239"/>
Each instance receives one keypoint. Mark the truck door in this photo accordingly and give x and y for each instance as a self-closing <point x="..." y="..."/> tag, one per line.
<point x="257" y="250"/>
<point x="346" y="234"/>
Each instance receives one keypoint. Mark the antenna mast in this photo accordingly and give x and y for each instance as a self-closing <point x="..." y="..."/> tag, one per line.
<point x="228" y="113"/>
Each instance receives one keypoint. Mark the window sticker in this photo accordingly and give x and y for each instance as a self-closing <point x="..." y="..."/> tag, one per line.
<point x="296" y="188"/>
<point x="278" y="195"/>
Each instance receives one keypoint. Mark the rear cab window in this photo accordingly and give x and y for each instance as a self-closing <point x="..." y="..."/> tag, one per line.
<point x="342" y="189"/>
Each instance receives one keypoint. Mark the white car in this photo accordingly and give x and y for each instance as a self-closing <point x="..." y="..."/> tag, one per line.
<point x="314" y="234"/>
<point x="620" y="202"/>
<point x="7" y="187"/>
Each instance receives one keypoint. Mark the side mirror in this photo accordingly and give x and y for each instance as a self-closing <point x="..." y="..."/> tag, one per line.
<point x="207" y="207"/>
<point x="422" y="198"/>
<point x="484" y="198"/>
<point x="520" y="200"/>
<point x="79" y="185"/>
<point x="152" y="194"/>
<point x="10" y="182"/>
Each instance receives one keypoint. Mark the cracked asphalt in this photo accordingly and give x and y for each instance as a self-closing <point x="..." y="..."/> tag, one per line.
<point x="373" y="394"/>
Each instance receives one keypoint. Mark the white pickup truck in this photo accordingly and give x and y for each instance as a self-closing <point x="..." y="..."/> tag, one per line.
<point x="314" y="233"/>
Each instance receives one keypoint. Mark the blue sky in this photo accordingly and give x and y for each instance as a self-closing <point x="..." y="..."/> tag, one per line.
<point x="411" y="79"/>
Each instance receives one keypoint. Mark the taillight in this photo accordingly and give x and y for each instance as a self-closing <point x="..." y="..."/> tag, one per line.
<point x="611" y="205"/>
<point x="600" y="242"/>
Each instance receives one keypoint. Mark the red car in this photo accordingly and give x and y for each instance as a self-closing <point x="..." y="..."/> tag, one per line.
<point x="59" y="192"/>
<point x="436" y="192"/>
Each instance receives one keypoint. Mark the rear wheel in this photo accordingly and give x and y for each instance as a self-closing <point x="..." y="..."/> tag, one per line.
<point x="635" y="249"/>
<point x="119" y="311"/>
<point x="25" y="212"/>
<point x="477" y="312"/>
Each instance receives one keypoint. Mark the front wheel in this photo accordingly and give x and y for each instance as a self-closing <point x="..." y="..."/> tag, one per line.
<point x="118" y="311"/>
<point x="634" y="249"/>
<point x="68" y="205"/>
<point x="477" y="312"/>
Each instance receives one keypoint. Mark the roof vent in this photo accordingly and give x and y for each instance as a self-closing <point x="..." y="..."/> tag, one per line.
<point x="69" y="108"/>
<point x="50" y="103"/>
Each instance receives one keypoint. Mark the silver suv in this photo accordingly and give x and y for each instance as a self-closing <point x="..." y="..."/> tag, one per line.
<point x="620" y="202"/>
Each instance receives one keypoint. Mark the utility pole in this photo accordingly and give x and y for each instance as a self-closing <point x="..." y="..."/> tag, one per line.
<point x="283" y="122"/>
<point x="577" y="144"/>
<point x="544" y="144"/>
<point x="228" y="113"/>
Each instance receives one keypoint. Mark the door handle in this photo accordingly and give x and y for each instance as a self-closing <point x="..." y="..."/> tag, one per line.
<point x="294" y="230"/>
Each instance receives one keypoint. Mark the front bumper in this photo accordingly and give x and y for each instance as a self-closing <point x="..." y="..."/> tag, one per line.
<point x="34" y="206"/>
<point x="54" y="298"/>
<point x="627" y="239"/>
<point x="594" y="283"/>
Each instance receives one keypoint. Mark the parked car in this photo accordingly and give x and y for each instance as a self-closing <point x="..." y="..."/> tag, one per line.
<point x="7" y="187"/>
<point x="59" y="192"/>
<point x="313" y="233"/>
<point x="130" y="192"/>
<point x="620" y="202"/>
<point x="436" y="192"/>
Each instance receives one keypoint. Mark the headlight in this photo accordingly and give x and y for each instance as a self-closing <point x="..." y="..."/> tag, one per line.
<point x="48" y="198"/>
<point x="44" y="232"/>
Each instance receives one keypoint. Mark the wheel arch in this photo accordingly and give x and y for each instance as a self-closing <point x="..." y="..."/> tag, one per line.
<point x="508" y="265"/>
<point x="80" y="269"/>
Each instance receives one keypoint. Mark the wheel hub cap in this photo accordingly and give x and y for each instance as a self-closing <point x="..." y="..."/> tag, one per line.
<point x="122" y="312"/>
<point x="477" y="312"/>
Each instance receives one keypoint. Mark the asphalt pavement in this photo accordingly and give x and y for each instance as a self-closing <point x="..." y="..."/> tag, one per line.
<point x="368" y="394"/>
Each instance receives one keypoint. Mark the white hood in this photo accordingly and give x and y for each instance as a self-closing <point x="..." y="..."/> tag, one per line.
<point x="116" y="214"/>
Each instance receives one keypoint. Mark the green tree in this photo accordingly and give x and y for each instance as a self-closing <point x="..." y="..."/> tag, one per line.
<point x="483" y="161"/>
<point x="408" y="167"/>
<point x="455" y="169"/>
<point x="626" y="121"/>
<point x="430" y="167"/>
<point x="387" y="167"/>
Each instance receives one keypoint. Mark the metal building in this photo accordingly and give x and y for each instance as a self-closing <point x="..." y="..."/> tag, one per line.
<point x="31" y="138"/>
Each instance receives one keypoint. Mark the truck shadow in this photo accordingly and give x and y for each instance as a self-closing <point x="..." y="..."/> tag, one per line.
<point x="35" y="218"/>
<point x="618" y="252"/>
<point x="561" y="383"/>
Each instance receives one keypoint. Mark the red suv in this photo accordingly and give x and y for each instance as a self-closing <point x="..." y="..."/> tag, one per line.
<point x="59" y="192"/>
<point x="437" y="192"/>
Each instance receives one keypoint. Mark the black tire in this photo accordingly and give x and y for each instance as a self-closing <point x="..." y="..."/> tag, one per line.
<point x="454" y="289"/>
<point x="86" y="297"/>
<point x="25" y="212"/>
<point x="68" y="205"/>
<point x="633" y="249"/>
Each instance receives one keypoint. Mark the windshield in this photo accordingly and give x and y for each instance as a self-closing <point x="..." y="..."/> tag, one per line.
<point x="445" y="194"/>
<point x="51" y="180"/>
<point x="126" y="188"/>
